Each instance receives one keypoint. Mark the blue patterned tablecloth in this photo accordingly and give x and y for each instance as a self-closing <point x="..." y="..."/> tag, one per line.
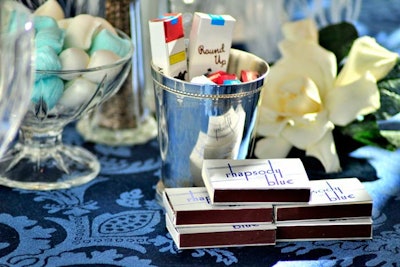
<point x="116" y="221"/>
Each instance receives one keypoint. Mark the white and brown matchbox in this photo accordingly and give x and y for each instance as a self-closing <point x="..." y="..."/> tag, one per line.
<point x="338" y="229"/>
<point x="330" y="198"/>
<point x="187" y="237"/>
<point x="192" y="206"/>
<point x="256" y="180"/>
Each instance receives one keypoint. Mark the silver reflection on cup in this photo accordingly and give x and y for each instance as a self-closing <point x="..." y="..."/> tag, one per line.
<point x="197" y="122"/>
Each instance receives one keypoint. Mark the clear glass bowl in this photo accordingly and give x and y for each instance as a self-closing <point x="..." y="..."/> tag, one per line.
<point x="16" y="68"/>
<point x="40" y="160"/>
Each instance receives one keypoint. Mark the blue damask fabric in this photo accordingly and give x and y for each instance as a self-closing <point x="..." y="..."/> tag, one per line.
<point x="115" y="220"/>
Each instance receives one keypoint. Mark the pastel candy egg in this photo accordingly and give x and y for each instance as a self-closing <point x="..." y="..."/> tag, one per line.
<point x="102" y="58"/>
<point x="53" y="37"/>
<point x="50" y="8"/>
<point x="105" y="24"/>
<point x="78" y="92"/>
<point x="64" y="23"/>
<point x="73" y="59"/>
<point x="46" y="59"/>
<point x="50" y="89"/>
<point x="80" y="31"/>
<point x="42" y="22"/>
<point x="106" y="40"/>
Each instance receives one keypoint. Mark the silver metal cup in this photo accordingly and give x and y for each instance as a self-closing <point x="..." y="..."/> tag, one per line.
<point x="197" y="122"/>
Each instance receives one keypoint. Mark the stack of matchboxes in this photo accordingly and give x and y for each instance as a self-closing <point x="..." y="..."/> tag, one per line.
<point x="257" y="202"/>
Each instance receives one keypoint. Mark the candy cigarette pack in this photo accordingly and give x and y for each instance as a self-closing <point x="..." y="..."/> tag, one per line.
<point x="256" y="180"/>
<point x="192" y="206"/>
<point x="210" y="42"/>
<point x="331" y="198"/>
<point x="168" y="47"/>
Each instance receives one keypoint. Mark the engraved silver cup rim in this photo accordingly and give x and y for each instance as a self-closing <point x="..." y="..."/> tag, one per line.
<point x="238" y="60"/>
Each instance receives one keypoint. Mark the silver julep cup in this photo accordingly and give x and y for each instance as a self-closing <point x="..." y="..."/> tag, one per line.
<point x="197" y="122"/>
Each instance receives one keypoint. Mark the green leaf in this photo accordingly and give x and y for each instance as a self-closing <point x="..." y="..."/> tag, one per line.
<point x="367" y="133"/>
<point x="338" y="38"/>
<point x="389" y="89"/>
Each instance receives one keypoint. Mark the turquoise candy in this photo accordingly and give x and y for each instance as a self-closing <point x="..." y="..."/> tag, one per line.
<point x="46" y="59"/>
<point x="52" y="36"/>
<point x="106" y="40"/>
<point x="43" y="22"/>
<point x="50" y="89"/>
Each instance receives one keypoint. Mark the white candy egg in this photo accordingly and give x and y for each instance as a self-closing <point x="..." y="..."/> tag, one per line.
<point x="80" y="31"/>
<point x="102" y="58"/>
<point x="73" y="59"/>
<point x="106" y="25"/>
<point x="64" y="23"/>
<point x="77" y="92"/>
<point x="50" y="8"/>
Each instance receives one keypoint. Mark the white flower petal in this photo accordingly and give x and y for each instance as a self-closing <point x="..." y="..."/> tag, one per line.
<point x="292" y="97"/>
<point x="299" y="96"/>
<point x="272" y="147"/>
<point x="325" y="152"/>
<point x="301" y="30"/>
<point x="346" y="103"/>
<point x="366" y="55"/>
<point x="307" y="130"/>
<point x="308" y="60"/>
<point x="269" y="123"/>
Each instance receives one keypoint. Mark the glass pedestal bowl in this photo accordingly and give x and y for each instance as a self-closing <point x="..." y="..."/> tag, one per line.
<point x="16" y="67"/>
<point x="40" y="160"/>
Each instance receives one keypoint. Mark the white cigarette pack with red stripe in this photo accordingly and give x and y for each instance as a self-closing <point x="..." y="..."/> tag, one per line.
<point x="168" y="47"/>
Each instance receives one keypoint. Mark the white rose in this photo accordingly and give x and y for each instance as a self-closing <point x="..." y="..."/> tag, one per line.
<point x="303" y="99"/>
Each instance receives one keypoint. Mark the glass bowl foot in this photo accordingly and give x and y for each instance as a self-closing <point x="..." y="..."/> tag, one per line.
<point x="50" y="168"/>
<point x="114" y="137"/>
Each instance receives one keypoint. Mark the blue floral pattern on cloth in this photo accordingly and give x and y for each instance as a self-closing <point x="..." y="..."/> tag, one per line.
<point x="115" y="220"/>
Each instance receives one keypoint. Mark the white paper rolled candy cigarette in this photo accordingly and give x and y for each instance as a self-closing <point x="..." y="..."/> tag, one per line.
<point x="73" y="59"/>
<point x="77" y="92"/>
<point x="102" y="58"/>
<point x="202" y="79"/>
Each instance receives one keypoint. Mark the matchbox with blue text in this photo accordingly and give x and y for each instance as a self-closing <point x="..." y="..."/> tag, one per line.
<point x="192" y="206"/>
<point x="330" y="199"/>
<point x="256" y="180"/>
